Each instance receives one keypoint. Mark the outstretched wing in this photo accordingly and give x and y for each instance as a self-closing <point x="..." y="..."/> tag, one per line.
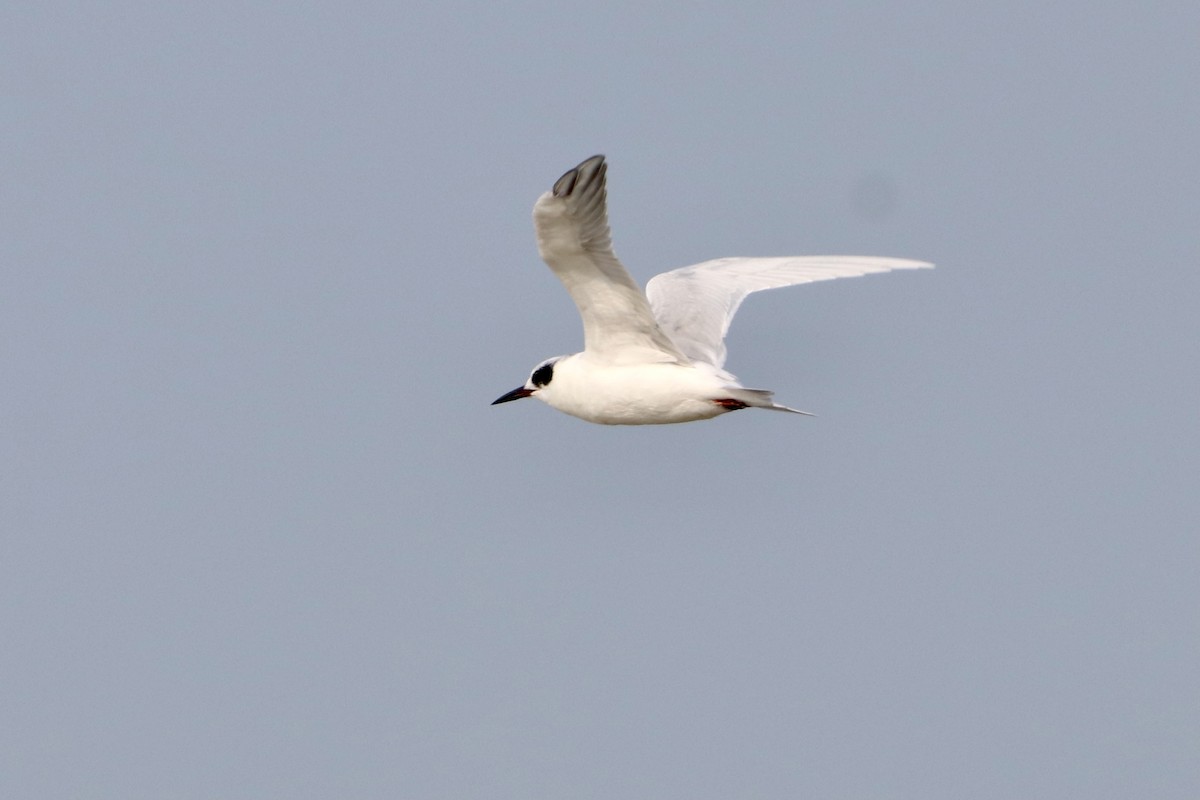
<point x="694" y="305"/>
<point x="573" y="238"/>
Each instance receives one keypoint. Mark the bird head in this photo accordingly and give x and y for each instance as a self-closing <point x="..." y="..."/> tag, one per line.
<point x="539" y="379"/>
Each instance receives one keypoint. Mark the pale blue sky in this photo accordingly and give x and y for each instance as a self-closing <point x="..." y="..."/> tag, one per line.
<point x="265" y="267"/>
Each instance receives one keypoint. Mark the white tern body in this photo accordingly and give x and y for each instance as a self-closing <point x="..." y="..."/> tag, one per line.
<point x="656" y="357"/>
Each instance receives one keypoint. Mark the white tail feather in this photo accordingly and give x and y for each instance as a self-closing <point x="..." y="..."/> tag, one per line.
<point x="762" y="398"/>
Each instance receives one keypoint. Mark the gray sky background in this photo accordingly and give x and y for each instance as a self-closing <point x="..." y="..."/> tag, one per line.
<point x="264" y="267"/>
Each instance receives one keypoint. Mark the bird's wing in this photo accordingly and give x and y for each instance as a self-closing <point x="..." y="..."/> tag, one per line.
<point x="694" y="305"/>
<point x="571" y="222"/>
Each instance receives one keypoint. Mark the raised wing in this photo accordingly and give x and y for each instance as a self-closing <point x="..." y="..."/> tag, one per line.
<point x="694" y="305"/>
<point x="574" y="240"/>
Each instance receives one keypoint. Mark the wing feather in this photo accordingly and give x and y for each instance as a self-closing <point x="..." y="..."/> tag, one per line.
<point x="574" y="240"/>
<point x="694" y="305"/>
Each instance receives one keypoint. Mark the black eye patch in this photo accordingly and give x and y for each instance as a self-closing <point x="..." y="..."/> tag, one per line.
<point x="542" y="375"/>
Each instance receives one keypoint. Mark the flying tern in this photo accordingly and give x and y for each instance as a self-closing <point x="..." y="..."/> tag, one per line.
<point x="656" y="357"/>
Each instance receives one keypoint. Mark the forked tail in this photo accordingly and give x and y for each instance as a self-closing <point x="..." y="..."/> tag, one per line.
<point x="761" y="398"/>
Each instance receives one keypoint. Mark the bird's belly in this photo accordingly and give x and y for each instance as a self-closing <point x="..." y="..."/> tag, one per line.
<point x="648" y="395"/>
<point x="643" y="413"/>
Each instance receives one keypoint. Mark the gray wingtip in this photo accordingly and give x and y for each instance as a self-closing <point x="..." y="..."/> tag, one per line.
<point x="585" y="170"/>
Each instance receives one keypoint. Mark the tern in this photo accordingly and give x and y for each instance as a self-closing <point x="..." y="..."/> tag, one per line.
<point x="657" y="357"/>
